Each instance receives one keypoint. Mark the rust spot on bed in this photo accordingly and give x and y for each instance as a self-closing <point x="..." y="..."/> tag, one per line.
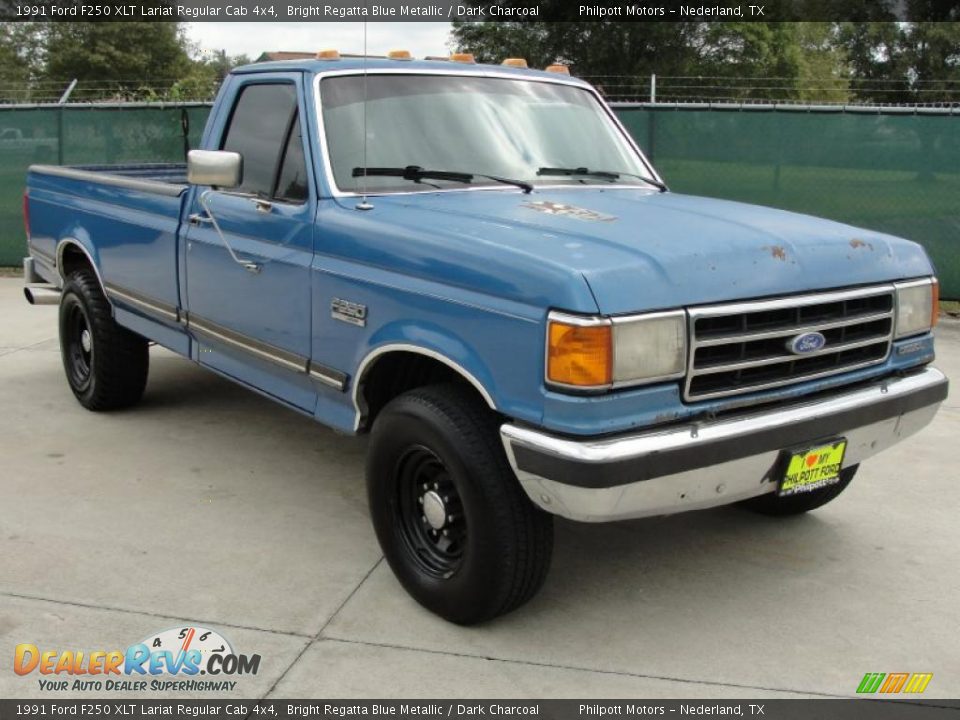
<point x="776" y="251"/>
<point x="857" y="243"/>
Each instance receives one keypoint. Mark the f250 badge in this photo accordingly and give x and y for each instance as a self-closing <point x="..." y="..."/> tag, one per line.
<point x="348" y="312"/>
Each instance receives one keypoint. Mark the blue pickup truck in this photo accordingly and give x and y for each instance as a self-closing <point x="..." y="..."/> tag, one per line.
<point x="477" y="266"/>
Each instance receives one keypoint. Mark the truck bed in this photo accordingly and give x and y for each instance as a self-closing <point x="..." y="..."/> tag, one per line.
<point x="126" y="217"/>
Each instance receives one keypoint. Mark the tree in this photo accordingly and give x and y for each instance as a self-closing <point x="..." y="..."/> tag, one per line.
<point x="20" y="60"/>
<point x="714" y="60"/>
<point x="124" y="57"/>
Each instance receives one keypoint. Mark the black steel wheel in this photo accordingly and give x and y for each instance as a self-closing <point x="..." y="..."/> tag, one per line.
<point x="429" y="512"/>
<point x="77" y="344"/>
<point x="453" y="522"/>
<point x="106" y="365"/>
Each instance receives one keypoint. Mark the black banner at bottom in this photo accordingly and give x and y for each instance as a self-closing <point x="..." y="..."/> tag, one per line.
<point x="805" y="709"/>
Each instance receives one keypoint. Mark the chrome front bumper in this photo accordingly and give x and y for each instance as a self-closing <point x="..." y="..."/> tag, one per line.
<point x="716" y="462"/>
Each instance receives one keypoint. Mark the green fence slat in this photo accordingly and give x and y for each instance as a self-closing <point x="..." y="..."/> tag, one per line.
<point x="74" y="135"/>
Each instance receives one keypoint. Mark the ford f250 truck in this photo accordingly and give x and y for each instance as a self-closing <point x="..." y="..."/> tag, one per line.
<point x="477" y="266"/>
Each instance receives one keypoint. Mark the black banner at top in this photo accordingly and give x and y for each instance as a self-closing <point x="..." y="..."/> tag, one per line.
<point x="466" y="10"/>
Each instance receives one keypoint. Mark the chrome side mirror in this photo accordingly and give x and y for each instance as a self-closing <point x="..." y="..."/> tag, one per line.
<point x="219" y="168"/>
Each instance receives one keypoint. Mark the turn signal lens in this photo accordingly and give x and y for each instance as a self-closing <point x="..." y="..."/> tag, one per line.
<point x="462" y="57"/>
<point x="935" y="310"/>
<point x="579" y="355"/>
<point x="328" y="55"/>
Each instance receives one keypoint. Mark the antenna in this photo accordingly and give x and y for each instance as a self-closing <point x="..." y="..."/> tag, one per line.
<point x="364" y="204"/>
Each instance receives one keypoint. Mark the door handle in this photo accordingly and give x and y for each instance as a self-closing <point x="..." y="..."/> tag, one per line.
<point x="248" y="265"/>
<point x="199" y="219"/>
<point x="263" y="205"/>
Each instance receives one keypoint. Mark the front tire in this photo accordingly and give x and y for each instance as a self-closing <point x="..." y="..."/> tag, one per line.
<point x="452" y="520"/>
<point x="772" y="504"/>
<point x="106" y="365"/>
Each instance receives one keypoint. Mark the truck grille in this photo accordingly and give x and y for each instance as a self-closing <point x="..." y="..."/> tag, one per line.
<point x="744" y="347"/>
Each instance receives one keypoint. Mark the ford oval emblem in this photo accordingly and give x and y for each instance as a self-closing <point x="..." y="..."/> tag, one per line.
<point x="806" y="343"/>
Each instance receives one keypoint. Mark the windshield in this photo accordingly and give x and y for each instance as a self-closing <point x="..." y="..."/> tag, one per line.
<point x="502" y="128"/>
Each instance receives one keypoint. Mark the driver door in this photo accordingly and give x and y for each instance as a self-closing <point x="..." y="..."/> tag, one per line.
<point x="248" y="284"/>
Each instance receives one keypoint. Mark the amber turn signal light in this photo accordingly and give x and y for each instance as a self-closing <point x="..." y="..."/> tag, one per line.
<point x="935" y="304"/>
<point x="579" y="355"/>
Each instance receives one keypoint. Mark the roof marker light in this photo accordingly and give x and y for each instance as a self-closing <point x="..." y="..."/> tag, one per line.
<point x="560" y="69"/>
<point x="515" y="62"/>
<point x="462" y="57"/>
<point x="400" y="55"/>
<point x="328" y="55"/>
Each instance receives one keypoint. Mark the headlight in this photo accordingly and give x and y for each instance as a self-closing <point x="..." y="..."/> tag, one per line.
<point x="600" y="353"/>
<point x="917" y="306"/>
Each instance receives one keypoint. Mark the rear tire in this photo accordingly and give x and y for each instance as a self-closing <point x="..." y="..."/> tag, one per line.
<point x="106" y="365"/>
<point x="453" y="522"/>
<point x="771" y="504"/>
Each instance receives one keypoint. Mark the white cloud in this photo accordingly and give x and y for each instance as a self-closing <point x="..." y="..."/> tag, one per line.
<point x="420" y="38"/>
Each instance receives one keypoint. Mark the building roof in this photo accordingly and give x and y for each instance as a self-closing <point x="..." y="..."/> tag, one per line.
<point x="275" y="55"/>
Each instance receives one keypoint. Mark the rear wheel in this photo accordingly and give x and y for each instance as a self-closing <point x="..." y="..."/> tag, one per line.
<point x="772" y="504"/>
<point x="106" y="365"/>
<point x="452" y="520"/>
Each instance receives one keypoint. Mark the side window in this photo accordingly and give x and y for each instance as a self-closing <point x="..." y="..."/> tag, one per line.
<point x="292" y="181"/>
<point x="258" y="130"/>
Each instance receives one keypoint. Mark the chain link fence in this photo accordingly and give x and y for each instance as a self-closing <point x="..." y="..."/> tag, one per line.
<point x="895" y="170"/>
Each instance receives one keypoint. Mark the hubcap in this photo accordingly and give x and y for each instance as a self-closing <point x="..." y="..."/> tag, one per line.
<point x="85" y="342"/>
<point x="434" y="510"/>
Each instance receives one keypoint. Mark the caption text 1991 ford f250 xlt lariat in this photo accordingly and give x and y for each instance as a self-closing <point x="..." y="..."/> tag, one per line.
<point x="477" y="265"/>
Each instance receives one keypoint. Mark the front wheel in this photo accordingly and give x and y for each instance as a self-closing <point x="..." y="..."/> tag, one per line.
<point x="772" y="504"/>
<point x="106" y="365"/>
<point x="450" y="516"/>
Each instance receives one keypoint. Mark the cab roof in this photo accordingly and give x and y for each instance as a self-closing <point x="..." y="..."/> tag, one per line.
<point x="374" y="64"/>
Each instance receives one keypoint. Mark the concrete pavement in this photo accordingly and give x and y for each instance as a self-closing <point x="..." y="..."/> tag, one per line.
<point x="209" y="505"/>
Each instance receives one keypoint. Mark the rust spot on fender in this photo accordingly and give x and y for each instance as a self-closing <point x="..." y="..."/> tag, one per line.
<point x="857" y="243"/>
<point x="776" y="251"/>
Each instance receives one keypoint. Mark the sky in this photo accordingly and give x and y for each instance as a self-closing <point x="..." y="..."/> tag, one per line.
<point x="420" y="38"/>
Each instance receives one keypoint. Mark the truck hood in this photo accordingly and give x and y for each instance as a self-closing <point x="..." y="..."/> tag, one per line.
<point x="645" y="250"/>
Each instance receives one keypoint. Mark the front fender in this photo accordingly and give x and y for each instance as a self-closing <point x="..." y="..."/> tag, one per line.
<point x="431" y="341"/>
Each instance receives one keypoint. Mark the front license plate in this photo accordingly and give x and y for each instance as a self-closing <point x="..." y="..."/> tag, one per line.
<point x="813" y="469"/>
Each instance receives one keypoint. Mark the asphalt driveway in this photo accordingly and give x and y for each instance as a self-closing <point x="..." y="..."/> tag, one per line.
<point x="210" y="506"/>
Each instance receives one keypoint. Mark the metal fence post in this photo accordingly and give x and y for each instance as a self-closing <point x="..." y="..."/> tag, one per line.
<point x="653" y="87"/>
<point x="63" y="99"/>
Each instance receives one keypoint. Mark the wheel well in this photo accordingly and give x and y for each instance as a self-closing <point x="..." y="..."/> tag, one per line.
<point x="72" y="258"/>
<point x="397" y="372"/>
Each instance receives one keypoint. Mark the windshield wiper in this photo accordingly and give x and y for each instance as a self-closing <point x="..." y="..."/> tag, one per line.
<point x="601" y="174"/>
<point x="416" y="173"/>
